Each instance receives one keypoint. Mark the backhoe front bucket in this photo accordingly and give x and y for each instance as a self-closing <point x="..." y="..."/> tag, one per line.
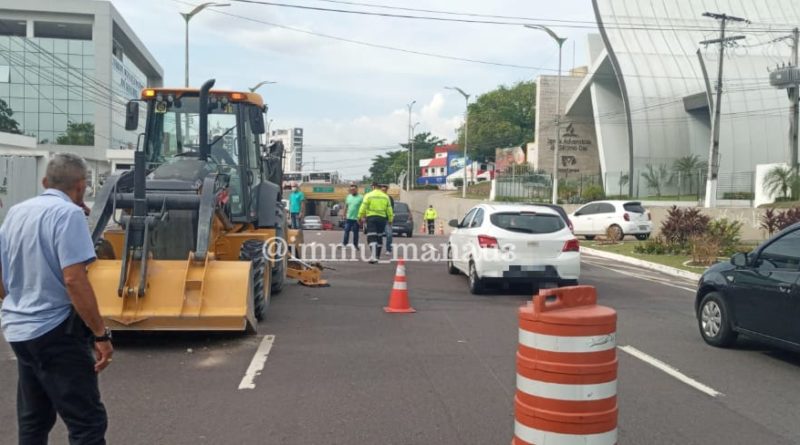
<point x="180" y="295"/>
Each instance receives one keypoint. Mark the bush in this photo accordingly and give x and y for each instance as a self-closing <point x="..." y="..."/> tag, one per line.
<point x="770" y="221"/>
<point x="653" y="246"/>
<point x="458" y="182"/>
<point x="746" y="196"/>
<point x="681" y="226"/>
<point x="592" y="192"/>
<point x="725" y="235"/>
<point x="705" y="250"/>
<point x="788" y="217"/>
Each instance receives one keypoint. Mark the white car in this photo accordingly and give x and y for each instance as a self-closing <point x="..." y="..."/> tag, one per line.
<point x="617" y="218"/>
<point x="513" y="243"/>
<point x="312" y="222"/>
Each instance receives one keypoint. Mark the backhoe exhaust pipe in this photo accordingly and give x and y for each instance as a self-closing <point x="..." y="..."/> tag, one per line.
<point x="203" y="99"/>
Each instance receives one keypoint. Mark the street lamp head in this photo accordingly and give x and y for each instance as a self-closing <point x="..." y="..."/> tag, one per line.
<point x="202" y="6"/>
<point x="466" y="96"/>
<point x="550" y="32"/>
<point x="260" y="84"/>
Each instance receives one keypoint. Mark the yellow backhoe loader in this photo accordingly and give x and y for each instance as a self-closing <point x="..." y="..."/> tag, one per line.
<point x="194" y="236"/>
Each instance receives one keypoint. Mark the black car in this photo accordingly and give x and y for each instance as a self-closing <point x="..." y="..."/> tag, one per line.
<point x="403" y="221"/>
<point x="755" y="294"/>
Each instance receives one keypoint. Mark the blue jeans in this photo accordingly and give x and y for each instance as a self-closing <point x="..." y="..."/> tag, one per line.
<point x="351" y="225"/>
<point x="388" y="237"/>
<point x="295" y="220"/>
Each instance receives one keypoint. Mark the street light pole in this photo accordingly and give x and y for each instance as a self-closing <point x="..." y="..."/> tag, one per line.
<point x="260" y="84"/>
<point x="186" y="17"/>
<point x="466" y="135"/>
<point x="413" y="166"/>
<point x="408" y="157"/>
<point x="560" y="41"/>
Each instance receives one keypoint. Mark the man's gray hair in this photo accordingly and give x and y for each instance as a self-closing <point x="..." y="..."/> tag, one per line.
<point x="65" y="170"/>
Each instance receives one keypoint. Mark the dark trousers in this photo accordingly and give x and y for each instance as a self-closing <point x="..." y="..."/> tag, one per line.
<point x="351" y="225"/>
<point x="56" y="375"/>
<point x="295" y="220"/>
<point x="376" y="227"/>
<point x="431" y="224"/>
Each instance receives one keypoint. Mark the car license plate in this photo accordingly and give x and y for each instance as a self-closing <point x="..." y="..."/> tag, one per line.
<point x="533" y="268"/>
<point x="533" y="243"/>
<point x="642" y="227"/>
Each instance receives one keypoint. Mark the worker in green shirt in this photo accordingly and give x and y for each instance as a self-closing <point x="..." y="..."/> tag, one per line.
<point x="352" y="204"/>
<point x="375" y="211"/>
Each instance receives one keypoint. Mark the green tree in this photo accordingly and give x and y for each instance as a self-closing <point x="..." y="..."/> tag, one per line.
<point x="781" y="179"/>
<point x="7" y="122"/>
<point x="424" y="143"/>
<point x="78" y="133"/>
<point x="687" y="168"/>
<point x="657" y="178"/>
<point x="500" y="118"/>
<point x="387" y="167"/>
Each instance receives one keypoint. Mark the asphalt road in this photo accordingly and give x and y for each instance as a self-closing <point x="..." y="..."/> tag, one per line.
<point x="341" y="371"/>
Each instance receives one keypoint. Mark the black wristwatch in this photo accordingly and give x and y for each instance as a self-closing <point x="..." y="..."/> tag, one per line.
<point x="105" y="337"/>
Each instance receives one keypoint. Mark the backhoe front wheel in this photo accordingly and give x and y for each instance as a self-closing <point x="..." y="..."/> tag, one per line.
<point x="260" y="273"/>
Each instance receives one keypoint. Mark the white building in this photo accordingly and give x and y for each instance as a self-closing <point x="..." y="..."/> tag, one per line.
<point x="73" y="61"/>
<point x="292" y="139"/>
<point x="651" y="82"/>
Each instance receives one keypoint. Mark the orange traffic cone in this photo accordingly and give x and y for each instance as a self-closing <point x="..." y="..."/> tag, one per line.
<point x="423" y="228"/>
<point x="398" y="299"/>
<point x="441" y="228"/>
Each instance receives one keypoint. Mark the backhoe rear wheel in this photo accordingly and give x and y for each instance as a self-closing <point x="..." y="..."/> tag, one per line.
<point x="252" y="250"/>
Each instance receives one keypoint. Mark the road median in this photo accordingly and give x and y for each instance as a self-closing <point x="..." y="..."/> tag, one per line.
<point x="669" y="270"/>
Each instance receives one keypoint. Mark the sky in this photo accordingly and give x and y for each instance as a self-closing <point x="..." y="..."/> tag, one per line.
<point x="351" y="100"/>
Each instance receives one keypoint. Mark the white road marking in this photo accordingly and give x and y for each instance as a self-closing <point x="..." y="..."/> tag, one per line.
<point x="650" y="278"/>
<point x="257" y="364"/>
<point x="670" y="370"/>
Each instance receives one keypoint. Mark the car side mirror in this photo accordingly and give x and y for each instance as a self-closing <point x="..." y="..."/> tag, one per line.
<point x="739" y="260"/>
<point x="132" y="115"/>
<point x="257" y="121"/>
<point x="453" y="223"/>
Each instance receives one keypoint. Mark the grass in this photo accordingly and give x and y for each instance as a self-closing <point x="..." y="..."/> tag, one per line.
<point x="689" y="198"/>
<point x="626" y="248"/>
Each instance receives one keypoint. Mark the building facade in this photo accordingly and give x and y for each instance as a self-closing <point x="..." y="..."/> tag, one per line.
<point x="651" y="86"/>
<point x="292" y="139"/>
<point x="73" y="63"/>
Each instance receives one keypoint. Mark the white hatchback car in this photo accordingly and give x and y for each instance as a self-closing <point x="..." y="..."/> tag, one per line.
<point x="511" y="243"/>
<point x="312" y="222"/>
<point x="617" y="218"/>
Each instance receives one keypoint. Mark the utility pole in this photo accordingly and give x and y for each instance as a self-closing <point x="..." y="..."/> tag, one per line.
<point x="713" y="156"/>
<point x="412" y="172"/>
<point x="408" y="156"/>
<point x="794" y="97"/>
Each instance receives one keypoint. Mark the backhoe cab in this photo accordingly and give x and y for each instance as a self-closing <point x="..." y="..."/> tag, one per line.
<point x="192" y="237"/>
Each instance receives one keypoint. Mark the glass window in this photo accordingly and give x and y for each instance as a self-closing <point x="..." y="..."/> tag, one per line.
<point x="75" y="60"/>
<point x="30" y="122"/>
<point x="32" y="105"/>
<point x="88" y="117"/>
<point x="633" y="207"/>
<point x="3" y="42"/>
<point x="467" y="218"/>
<point x="60" y="46"/>
<point x="783" y="253"/>
<point x="528" y="222"/>
<point x="59" y="122"/>
<point x="75" y="93"/>
<point x="46" y="105"/>
<point x="88" y="108"/>
<point x="75" y="107"/>
<point x="88" y="62"/>
<point x="46" y="137"/>
<point x="589" y="209"/>
<point x="60" y="106"/>
<point x="45" y="122"/>
<point x="477" y="220"/>
<point x="5" y="90"/>
<point x="31" y="91"/>
<point x="15" y="44"/>
<point x="17" y="104"/>
<point x="605" y="207"/>
<point x="5" y="74"/>
<point x="59" y="92"/>
<point x="31" y="75"/>
<point x="46" y="45"/>
<point x="16" y="75"/>
<point x="75" y="47"/>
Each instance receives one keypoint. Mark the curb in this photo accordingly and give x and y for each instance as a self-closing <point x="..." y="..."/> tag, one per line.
<point x="673" y="271"/>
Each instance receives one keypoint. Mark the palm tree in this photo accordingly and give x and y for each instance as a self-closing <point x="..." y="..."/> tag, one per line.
<point x="688" y="167"/>
<point x="657" y="177"/>
<point x="781" y="179"/>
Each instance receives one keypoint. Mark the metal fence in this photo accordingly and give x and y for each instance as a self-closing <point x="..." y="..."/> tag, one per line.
<point x="656" y="184"/>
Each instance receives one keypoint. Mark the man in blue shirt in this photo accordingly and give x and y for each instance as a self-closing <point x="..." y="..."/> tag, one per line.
<point x="50" y="315"/>
<point x="296" y="204"/>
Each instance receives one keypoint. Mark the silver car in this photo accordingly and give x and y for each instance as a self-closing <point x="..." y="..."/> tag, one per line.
<point x="312" y="223"/>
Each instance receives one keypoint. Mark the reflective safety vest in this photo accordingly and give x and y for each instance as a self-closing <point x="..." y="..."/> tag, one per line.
<point x="430" y="214"/>
<point x="376" y="203"/>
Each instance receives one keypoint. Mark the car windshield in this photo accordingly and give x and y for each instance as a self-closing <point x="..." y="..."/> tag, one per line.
<point x="633" y="207"/>
<point x="537" y="223"/>
<point x="312" y="218"/>
<point x="401" y="207"/>
<point x="175" y="132"/>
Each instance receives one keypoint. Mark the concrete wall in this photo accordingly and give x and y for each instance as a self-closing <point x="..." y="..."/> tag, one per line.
<point x="451" y="207"/>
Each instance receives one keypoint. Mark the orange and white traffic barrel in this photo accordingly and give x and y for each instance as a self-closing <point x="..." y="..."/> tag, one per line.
<point x="566" y="370"/>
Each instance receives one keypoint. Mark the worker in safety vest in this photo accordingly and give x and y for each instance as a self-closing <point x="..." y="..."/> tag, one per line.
<point x="376" y="211"/>
<point x="430" y="218"/>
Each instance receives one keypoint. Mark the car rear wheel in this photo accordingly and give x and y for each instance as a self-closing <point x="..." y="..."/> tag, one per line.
<point x="643" y="236"/>
<point x="475" y="283"/>
<point x="451" y="268"/>
<point x="714" y="321"/>
<point x="615" y="233"/>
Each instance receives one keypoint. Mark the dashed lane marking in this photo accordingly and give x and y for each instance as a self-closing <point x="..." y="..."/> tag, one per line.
<point x="257" y="363"/>
<point x="650" y="360"/>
